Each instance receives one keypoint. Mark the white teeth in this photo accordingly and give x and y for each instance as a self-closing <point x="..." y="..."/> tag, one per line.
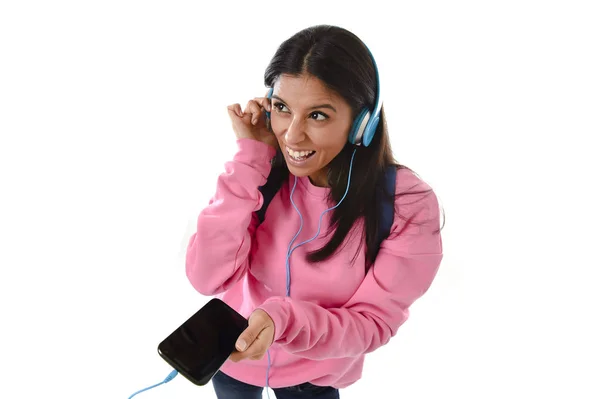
<point x="298" y="154"/>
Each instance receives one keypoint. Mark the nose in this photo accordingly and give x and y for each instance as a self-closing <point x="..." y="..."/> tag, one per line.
<point x="295" y="132"/>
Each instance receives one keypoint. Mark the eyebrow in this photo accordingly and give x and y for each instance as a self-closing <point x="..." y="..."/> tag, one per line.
<point x="313" y="107"/>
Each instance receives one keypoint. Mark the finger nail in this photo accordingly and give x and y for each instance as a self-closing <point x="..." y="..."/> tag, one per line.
<point x="241" y="345"/>
<point x="268" y="107"/>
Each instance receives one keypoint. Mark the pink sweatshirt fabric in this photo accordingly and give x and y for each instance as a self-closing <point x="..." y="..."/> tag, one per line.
<point x="336" y="313"/>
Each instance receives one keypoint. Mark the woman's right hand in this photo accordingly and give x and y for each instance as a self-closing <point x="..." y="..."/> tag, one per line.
<point x="252" y="122"/>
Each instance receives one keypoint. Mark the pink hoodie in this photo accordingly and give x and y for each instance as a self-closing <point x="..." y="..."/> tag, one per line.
<point x="335" y="313"/>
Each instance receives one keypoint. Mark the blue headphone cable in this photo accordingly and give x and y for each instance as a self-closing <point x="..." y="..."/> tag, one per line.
<point x="290" y="249"/>
<point x="171" y="375"/>
<point x="174" y="373"/>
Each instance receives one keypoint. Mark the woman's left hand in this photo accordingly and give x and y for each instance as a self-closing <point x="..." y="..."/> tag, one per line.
<point x="256" y="339"/>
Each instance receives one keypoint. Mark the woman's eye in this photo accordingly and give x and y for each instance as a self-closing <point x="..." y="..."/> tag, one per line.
<point x="280" y="107"/>
<point x="318" y="116"/>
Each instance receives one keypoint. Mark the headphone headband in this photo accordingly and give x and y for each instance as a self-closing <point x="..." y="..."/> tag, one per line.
<point x="365" y="125"/>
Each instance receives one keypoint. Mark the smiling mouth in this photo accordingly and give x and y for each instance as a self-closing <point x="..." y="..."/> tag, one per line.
<point x="299" y="155"/>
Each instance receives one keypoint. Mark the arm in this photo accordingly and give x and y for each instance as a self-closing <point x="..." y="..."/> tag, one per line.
<point x="217" y="254"/>
<point x="403" y="271"/>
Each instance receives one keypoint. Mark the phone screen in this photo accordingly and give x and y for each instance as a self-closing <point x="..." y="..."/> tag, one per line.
<point x="198" y="348"/>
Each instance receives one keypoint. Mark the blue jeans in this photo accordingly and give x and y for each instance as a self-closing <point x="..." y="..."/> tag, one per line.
<point x="230" y="388"/>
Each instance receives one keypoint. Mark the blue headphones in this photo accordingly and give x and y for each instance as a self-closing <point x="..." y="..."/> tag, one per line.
<point x="364" y="126"/>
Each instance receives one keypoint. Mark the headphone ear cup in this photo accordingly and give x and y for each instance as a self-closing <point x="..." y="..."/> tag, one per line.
<point x="370" y="131"/>
<point x="269" y="95"/>
<point x="358" y="127"/>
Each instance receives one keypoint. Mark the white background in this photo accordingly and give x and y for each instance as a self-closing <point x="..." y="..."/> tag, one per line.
<point x="114" y="128"/>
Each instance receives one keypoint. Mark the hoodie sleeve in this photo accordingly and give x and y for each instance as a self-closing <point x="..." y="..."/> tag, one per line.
<point x="406" y="265"/>
<point x="217" y="253"/>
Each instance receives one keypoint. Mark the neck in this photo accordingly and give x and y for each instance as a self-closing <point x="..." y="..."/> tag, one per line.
<point x="319" y="179"/>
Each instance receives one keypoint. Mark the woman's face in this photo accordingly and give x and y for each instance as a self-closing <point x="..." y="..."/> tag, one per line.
<point x="311" y="123"/>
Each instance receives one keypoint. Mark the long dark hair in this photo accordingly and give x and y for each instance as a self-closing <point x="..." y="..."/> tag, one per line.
<point x="343" y="63"/>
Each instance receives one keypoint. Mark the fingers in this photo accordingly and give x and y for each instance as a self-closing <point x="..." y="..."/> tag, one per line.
<point x="255" y="110"/>
<point x="247" y="338"/>
<point x="236" y="109"/>
<point x="254" y="341"/>
<point x="255" y="351"/>
<point x="256" y="107"/>
<point x="264" y="102"/>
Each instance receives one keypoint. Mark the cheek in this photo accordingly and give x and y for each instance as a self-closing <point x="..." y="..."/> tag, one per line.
<point x="278" y="126"/>
<point x="330" y="149"/>
<point x="329" y="141"/>
<point x="334" y="136"/>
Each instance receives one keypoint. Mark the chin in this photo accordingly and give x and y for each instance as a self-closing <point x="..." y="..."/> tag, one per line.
<point x="300" y="172"/>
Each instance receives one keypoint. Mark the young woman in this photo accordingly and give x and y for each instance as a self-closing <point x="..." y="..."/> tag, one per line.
<point x="318" y="285"/>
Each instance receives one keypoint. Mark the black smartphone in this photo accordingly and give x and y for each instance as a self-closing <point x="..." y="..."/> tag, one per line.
<point x="198" y="348"/>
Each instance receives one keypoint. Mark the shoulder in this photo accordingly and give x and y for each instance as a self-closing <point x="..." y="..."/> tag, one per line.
<point x="416" y="201"/>
<point x="409" y="181"/>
